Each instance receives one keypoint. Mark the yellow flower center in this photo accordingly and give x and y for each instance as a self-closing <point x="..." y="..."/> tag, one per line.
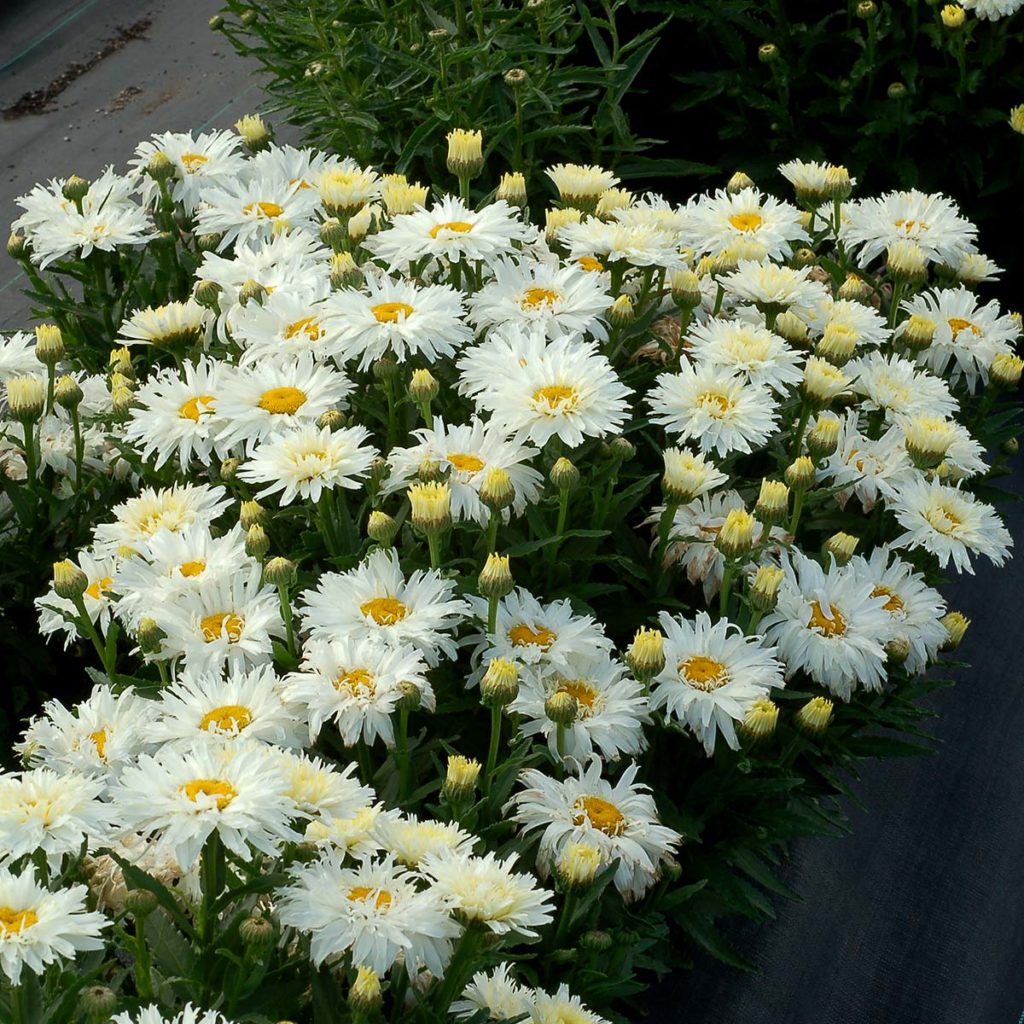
<point x="222" y="790"/>
<point x="958" y="324"/>
<point x="895" y="602"/>
<point x="385" y="611"/>
<point x="191" y="411"/>
<point x="834" y="626"/>
<point x="308" y="326"/>
<point x="746" y="221"/>
<point x="584" y="693"/>
<point x="943" y="520"/>
<point x="703" y="673"/>
<point x="214" y="626"/>
<point x="714" y="403"/>
<point x="590" y="263"/>
<point x="534" y="297"/>
<point x="358" y="682"/>
<point x="268" y="210"/>
<point x="466" y="462"/>
<point x="193" y="161"/>
<point x="602" y="814"/>
<point x="523" y="636"/>
<point x="458" y="226"/>
<point x="555" y="396"/>
<point x="99" y="587"/>
<point x="196" y="568"/>
<point x="391" y="312"/>
<point x="229" y="718"/>
<point x="100" y="739"/>
<point x="282" y="400"/>
<point x="908" y="226"/>
<point x="15" y="921"/>
<point x="361" y="893"/>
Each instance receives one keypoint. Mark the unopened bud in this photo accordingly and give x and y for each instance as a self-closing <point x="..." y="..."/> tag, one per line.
<point x="791" y="328"/>
<point x="767" y="53"/>
<point x="49" y="344"/>
<point x="460" y="778"/>
<point x="577" y="866"/>
<point x="685" y="287"/>
<point x="497" y="491"/>
<point x="512" y="188"/>
<point x="26" y="397"/>
<point x="251" y="291"/>
<point x="740" y="181"/>
<point x="208" y="242"/>
<point x="772" y="502"/>
<point x="496" y="577"/>
<point x="254" y="131"/>
<point x="75" y="188"/>
<point x="918" y="332"/>
<point x="823" y="382"/>
<point x="16" y="245"/>
<point x="800" y="473"/>
<point x="67" y="392"/>
<point x="621" y="313"/>
<point x="280" y="572"/>
<point x="97" y="1002"/>
<point x="1005" y="371"/>
<point x="140" y="903"/>
<point x="465" y="153"/>
<point x="150" y="636"/>
<point x="207" y="294"/>
<point x="331" y="419"/>
<point x="364" y="997"/>
<point x="760" y="720"/>
<point x="956" y="625"/>
<point x="897" y="650"/>
<point x="385" y="368"/>
<point x="562" y="708"/>
<point x="823" y="438"/>
<point x="423" y="387"/>
<point x="736" y="535"/>
<point x="251" y="513"/>
<point x="854" y="289"/>
<point x="160" y="167"/>
<point x="564" y="475"/>
<point x="257" y="543"/>
<point x="500" y="683"/>
<point x="841" y="546"/>
<point x="953" y="16"/>
<point x="381" y="528"/>
<point x="837" y="344"/>
<point x="69" y="582"/>
<point x="646" y="654"/>
<point x="257" y="932"/>
<point x="814" y="717"/>
<point x="764" y="587"/>
<point x="430" y="505"/>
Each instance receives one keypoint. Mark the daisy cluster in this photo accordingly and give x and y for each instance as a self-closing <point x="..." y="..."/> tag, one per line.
<point x="394" y="619"/>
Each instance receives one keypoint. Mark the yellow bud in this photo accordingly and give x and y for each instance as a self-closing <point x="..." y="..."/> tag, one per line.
<point x="736" y="536"/>
<point x="465" y="153"/>
<point x="381" y="528"/>
<point x="496" y="576"/>
<point x="764" y="588"/>
<point x="772" y="502"/>
<point x="760" y="720"/>
<point x="577" y="866"/>
<point x="800" y="473"/>
<point x="251" y="512"/>
<point x="497" y="491"/>
<point x="823" y="381"/>
<point x="562" y="708"/>
<point x="823" y="438"/>
<point x="423" y="387"/>
<point x="365" y="995"/>
<point x="69" y="581"/>
<point x="1006" y="369"/>
<point x="500" y="683"/>
<point x="815" y="715"/>
<point x="460" y="779"/>
<point x="646" y="655"/>
<point x="26" y="397"/>
<point x="254" y="131"/>
<point x="841" y="546"/>
<point x="956" y="625"/>
<point x="555" y="220"/>
<point x="739" y="182"/>
<point x="918" y="332"/>
<point x="953" y="16"/>
<point x="49" y="344"/>
<point x="512" y="189"/>
<point x="431" y="505"/>
<point x="1017" y="118"/>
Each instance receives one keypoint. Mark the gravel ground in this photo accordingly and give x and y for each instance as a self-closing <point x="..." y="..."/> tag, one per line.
<point x="916" y="918"/>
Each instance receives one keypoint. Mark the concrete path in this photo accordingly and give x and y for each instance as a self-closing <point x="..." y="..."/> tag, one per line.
<point x="918" y="917"/>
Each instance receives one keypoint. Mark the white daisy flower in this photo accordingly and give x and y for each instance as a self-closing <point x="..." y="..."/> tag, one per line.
<point x="562" y="300"/>
<point x="375" y="599"/>
<point x="496" y="994"/>
<point x="750" y="351"/>
<point x="171" y="508"/>
<point x="914" y="608"/>
<point x="39" y="926"/>
<point x="99" y="599"/>
<point x="97" y="737"/>
<point x="188" y="1015"/>
<point x="620" y="820"/>
<point x="468" y="452"/>
<point x="748" y="224"/>
<point x="812" y="178"/>
<point x="354" y="835"/>
<point x="714" y="408"/>
<point x="565" y="388"/>
<point x="54" y="814"/>
<point x="172" y="325"/>
<point x="205" y="706"/>
<point x="395" y="315"/>
<point x="488" y="891"/>
<point x="300" y="167"/>
<point x="864" y="467"/>
<point x="767" y="284"/>
<point x="862" y="326"/>
<point x="356" y="682"/>
<point x="932" y="221"/>
<point x="232" y="621"/>
<point x="320" y="789"/>
<point x="175" y="414"/>
<point x="550" y="636"/>
<point x="712" y="675"/>
<point x="254" y="209"/>
<point x="655" y="211"/>
<point x="976" y="268"/>
<point x="949" y="523"/>
<point x="345" y="187"/>
<point x="411" y="840"/>
<point x="992" y="10"/>
<point x="450" y="230"/>
<point x="260" y="400"/>
<point x="968" y="335"/>
<point x="210" y="158"/>
<point x="305" y="461"/>
<point x="373" y="911"/>
<point x="611" y="709"/>
<point x="17" y="355"/>
<point x="829" y="625"/>
<point x="579" y="181"/>
<point x="285" y="325"/>
<point x="897" y="387"/>
<point x="185" y="795"/>
<point x="638" y="244"/>
<point x="562" y="1008"/>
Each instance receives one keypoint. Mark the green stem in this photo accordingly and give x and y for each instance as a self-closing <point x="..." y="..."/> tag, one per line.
<point x="88" y="627"/>
<point x="492" y="532"/>
<point x="19" y="1013"/>
<point x="726" y="592"/>
<point x="211" y="872"/>
<point x="51" y="377"/>
<point x="434" y="543"/>
<point x="894" y="303"/>
<point x="76" y="426"/>
<point x="142" y="968"/>
<point x="30" y="454"/>
<point x="492" y="613"/>
<point x="798" y="430"/>
<point x="286" y="614"/>
<point x="365" y="761"/>
<point x="460" y="968"/>
<point x="402" y="754"/>
<point x="568" y="905"/>
<point x="798" y="507"/>
<point x="492" y="750"/>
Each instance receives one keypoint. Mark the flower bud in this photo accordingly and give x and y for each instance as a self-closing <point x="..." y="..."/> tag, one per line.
<point x="646" y="654"/>
<point x="122" y="394"/>
<point x="1017" y="118"/>
<point x="512" y="188"/>
<point x="67" y="392"/>
<point x="767" y="53"/>
<point x="331" y="419"/>
<point x="496" y="577"/>
<point x="140" y="903"/>
<point x="208" y="242"/>
<point x="364" y="997"/>
<point x="740" y="181"/>
<point x="431" y="505"/>
<point x="257" y="932"/>
<point x="1005" y="371"/>
<point x="555" y="220"/>
<point x="906" y="261"/>
<point x="800" y="473"/>
<point x="823" y="438"/>
<point x="500" y="683"/>
<point x="814" y="717"/>
<point x="597" y="941"/>
<point x="430" y="470"/>
<point x="254" y="131"/>
<point x="16" y="245"/>
<point x="772" y="502"/>
<point x="516" y="78"/>
<point x="791" y="328"/>
<point x="956" y="625"/>
<point x="75" y="188"/>
<point x="150" y="636"/>
<point x="160" y="167"/>
<point x="897" y="650"/>
<point x="760" y="720"/>
<point x="612" y="199"/>
<point x="577" y="866"/>
<point x="764" y="587"/>
<point x="841" y="546"/>
<point x="562" y="708"/>
<point x="460" y="780"/>
<point x="334" y="234"/>
<point x="564" y="475"/>
<point x="896" y="91"/>
<point x="803" y="257"/>
<point x="621" y="313"/>
<point x="866" y="9"/>
<point x="837" y="344"/>
<point x="465" y="153"/>
<point x="97" y="1002"/>
<point x="736" y="535"/>
<point x="622" y="448"/>
<point x="918" y="332"/>
<point x="381" y="528"/>
<point x="685" y="288"/>
<point x="423" y="387"/>
<point x="854" y="289"/>
<point x="257" y="543"/>
<point x="69" y="582"/>
<point x="251" y="291"/>
<point x="207" y="294"/>
<point x="385" y="368"/>
<point x="497" y="491"/>
<point x="216" y="22"/>
<point x="927" y="439"/>
<point x="251" y="513"/>
<point x="953" y="16"/>
<point x="26" y="397"/>
<point x="822" y="382"/>
<point x="411" y="697"/>
<point x="229" y="468"/>
<point x="280" y="572"/>
<point x="49" y="344"/>
<point x="1011" y="446"/>
<point x="345" y="272"/>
